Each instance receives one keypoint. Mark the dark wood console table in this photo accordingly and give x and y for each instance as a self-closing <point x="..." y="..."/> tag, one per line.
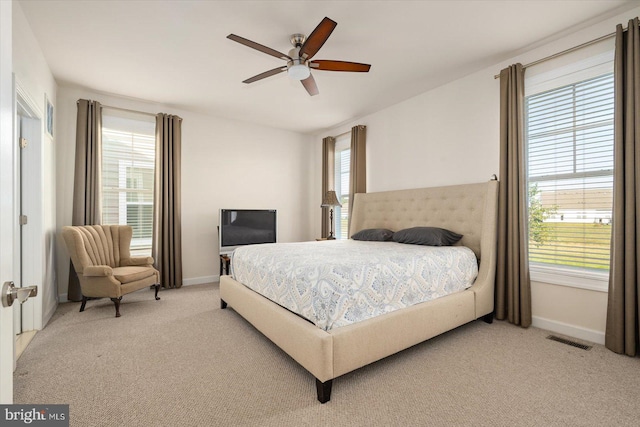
<point x="225" y="264"/>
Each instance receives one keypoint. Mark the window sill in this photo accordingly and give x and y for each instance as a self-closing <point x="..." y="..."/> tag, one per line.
<point x="581" y="279"/>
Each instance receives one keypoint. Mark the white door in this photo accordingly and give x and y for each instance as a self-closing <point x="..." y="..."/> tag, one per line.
<point x="28" y="268"/>
<point x="7" y="204"/>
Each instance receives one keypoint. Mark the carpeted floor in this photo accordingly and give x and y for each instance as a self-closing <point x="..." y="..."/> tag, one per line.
<point x="182" y="361"/>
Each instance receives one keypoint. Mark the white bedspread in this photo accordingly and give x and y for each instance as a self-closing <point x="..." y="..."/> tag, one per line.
<point x="336" y="283"/>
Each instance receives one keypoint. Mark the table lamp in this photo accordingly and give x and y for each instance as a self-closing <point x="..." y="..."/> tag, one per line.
<point x="330" y="200"/>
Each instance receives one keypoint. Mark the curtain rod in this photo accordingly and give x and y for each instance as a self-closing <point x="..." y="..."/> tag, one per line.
<point x="564" y="52"/>
<point x="128" y="110"/>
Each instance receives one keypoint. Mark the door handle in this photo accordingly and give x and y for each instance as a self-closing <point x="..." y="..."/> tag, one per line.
<point x="10" y="293"/>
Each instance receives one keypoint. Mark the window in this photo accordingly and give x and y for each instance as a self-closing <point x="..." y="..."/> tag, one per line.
<point x="569" y="149"/>
<point x="342" y="167"/>
<point x="128" y="171"/>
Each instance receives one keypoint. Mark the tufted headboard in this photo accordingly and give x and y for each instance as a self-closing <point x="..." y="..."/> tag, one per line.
<point x="470" y="210"/>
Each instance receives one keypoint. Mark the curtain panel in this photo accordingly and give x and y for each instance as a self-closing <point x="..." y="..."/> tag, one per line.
<point x="513" y="285"/>
<point x="167" y="228"/>
<point x="87" y="206"/>
<point x="328" y="178"/>
<point x="622" y="333"/>
<point x="358" y="167"/>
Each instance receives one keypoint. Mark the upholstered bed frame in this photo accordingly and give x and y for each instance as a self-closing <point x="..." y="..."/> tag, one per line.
<point x="470" y="210"/>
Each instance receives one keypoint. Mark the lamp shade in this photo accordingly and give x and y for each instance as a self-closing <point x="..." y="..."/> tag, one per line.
<point x="330" y="199"/>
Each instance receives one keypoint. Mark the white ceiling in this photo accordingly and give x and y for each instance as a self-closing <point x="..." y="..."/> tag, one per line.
<point x="177" y="53"/>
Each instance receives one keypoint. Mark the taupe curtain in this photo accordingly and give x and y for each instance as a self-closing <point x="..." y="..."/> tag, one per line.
<point x="167" y="230"/>
<point x="513" y="285"/>
<point x="87" y="209"/>
<point x="358" y="167"/>
<point x="623" y="309"/>
<point x="328" y="178"/>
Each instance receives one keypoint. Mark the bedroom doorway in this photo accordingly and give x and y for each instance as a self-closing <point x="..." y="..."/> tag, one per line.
<point x="28" y="230"/>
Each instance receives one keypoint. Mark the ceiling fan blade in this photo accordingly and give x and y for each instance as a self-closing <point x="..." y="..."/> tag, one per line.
<point x="258" y="46"/>
<point x="265" y="74"/>
<point x="310" y="85"/>
<point x="328" y="65"/>
<point x="316" y="39"/>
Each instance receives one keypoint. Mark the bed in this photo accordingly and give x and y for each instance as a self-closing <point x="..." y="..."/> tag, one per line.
<point x="470" y="210"/>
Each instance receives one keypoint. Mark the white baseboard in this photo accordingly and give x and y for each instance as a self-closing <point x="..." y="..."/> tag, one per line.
<point x="49" y="314"/>
<point x="185" y="282"/>
<point x="568" y="330"/>
<point x="200" y="280"/>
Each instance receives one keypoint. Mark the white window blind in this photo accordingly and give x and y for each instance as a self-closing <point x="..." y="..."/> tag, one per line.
<point x="128" y="172"/>
<point x="342" y="168"/>
<point x="569" y="138"/>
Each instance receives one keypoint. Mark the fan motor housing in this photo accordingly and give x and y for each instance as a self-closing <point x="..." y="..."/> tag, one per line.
<point x="295" y="58"/>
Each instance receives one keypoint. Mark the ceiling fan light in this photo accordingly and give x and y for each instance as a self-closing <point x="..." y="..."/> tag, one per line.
<point x="299" y="72"/>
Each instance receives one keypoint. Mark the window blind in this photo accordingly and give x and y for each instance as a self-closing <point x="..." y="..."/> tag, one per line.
<point x="341" y="178"/>
<point x="128" y="172"/>
<point x="343" y="195"/>
<point x="569" y="138"/>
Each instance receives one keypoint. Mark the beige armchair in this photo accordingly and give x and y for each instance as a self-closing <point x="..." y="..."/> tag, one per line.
<point x="102" y="258"/>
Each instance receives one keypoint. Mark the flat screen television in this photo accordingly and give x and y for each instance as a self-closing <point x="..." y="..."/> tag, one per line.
<point x="239" y="227"/>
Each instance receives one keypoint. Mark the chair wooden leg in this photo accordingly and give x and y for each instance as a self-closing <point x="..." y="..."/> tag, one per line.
<point x="116" y="302"/>
<point x="84" y="303"/>
<point x="157" y="286"/>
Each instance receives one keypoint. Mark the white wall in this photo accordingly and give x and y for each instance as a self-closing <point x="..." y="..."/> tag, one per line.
<point x="225" y="164"/>
<point x="450" y="135"/>
<point x="33" y="75"/>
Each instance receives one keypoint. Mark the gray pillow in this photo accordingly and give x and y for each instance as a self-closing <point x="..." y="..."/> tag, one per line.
<point x="429" y="236"/>
<point x="373" y="235"/>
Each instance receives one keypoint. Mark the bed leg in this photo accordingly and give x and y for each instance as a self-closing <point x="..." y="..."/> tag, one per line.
<point x="223" y="304"/>
<point x="324" y="390"/>
<point x="488" y="318"/>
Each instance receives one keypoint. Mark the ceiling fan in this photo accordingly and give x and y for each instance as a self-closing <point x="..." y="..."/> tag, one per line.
<point x="299" y="63"/>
